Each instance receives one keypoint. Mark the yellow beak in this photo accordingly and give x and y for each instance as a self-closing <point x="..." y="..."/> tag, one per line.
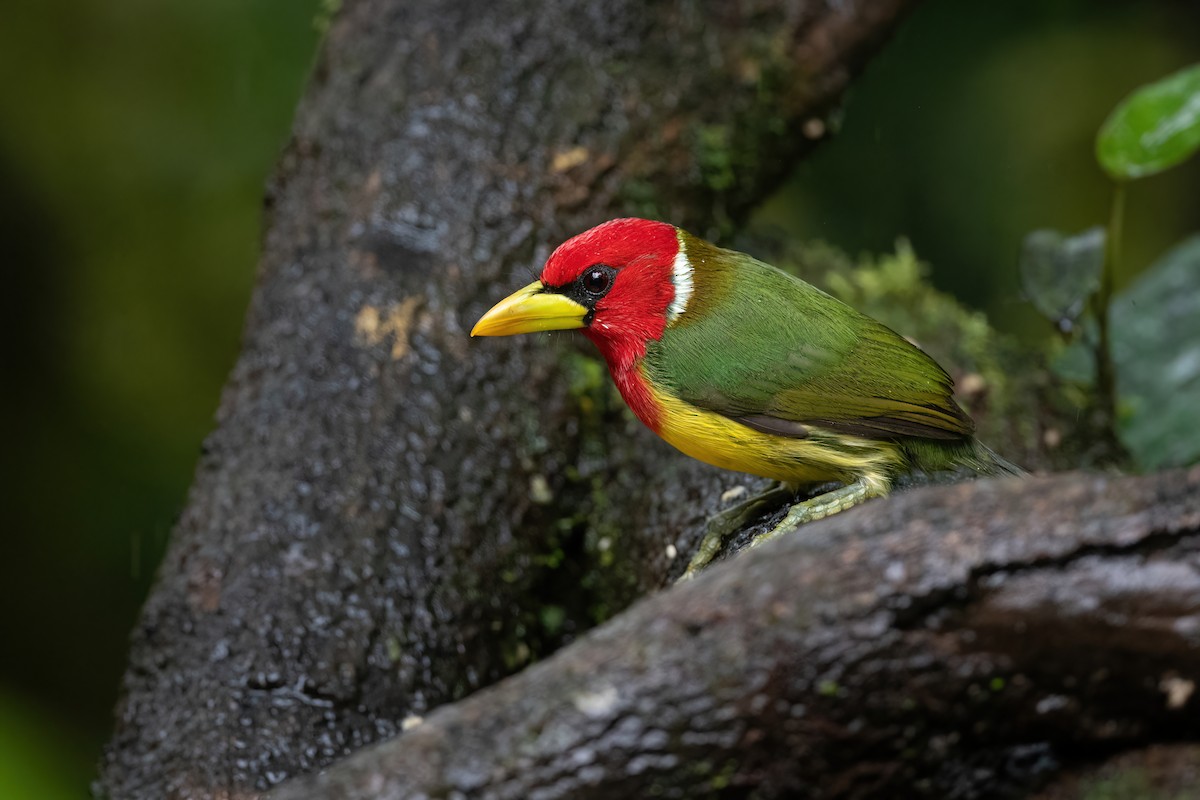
<point x="528" y="310"/>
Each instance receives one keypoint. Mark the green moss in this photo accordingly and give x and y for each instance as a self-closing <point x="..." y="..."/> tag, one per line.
<point x="724" y="777"/>
<point x="712" y="147"/>
<point x="553" y="618"/>
<point x="515" y="654"/>
<point x="612" y="578"/>
<point x="326" y="11"/>
<point x="586" y="380"/>
<point x="550" y="560"/>
<point x="1130" y="784"/>
<point x="640" y="198"/>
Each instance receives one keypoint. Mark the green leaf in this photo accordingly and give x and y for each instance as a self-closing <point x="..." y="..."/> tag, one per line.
<point x="1156" y="348"/>
<point x="1153" y="129"/>
<point x="1155" y="327"/>
<point x="1059" y="273"/>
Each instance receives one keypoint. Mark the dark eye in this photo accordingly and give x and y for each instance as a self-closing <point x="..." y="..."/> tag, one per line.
<point x="596" y="280"/>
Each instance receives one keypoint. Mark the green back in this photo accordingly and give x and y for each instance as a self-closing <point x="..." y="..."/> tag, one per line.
<point x="756" y="342"/>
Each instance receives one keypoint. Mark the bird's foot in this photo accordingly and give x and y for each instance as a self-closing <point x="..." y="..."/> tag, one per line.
<point x="821" y="506"/>
<point x="723" y="525"/>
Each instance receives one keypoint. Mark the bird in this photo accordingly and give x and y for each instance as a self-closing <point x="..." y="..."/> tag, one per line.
<point x="741" y="365"/>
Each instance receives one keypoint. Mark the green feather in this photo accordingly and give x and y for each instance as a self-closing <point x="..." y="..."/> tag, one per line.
<point x="758" y="343"/>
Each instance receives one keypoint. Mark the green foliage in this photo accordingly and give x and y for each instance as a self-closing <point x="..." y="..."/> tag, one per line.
<point x="997" y="145"/>
<point x="133" y="152"/>
<point x="1145" y="347"/>
<point x="1156" y="348"/>
<point x="1059" y="274"/>
<point x="36" y="761"/>
<point x="1155" y="128"/>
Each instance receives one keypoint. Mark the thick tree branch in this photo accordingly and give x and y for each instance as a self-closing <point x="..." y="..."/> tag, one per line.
<point x="953" y="641"/>
<point x="386" y="508"/>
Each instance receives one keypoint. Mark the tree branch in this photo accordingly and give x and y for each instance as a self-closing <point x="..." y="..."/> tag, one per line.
<point x="953" y="641"/>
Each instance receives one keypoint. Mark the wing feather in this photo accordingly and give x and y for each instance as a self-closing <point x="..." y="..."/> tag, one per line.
<point x="765" y="348"/>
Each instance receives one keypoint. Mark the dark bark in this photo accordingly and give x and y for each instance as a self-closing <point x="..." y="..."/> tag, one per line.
<point x="951" y="642"/>
<point x="386" y="509"/>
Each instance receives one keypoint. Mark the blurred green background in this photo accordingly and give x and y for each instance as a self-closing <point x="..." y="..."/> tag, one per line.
<point x="135" y="138"/>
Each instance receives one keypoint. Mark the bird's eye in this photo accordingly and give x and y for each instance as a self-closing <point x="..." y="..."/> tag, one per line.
<point x="596" y="280"/>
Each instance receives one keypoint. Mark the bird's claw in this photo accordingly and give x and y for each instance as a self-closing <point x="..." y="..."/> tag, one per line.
<point x="723" y="525"/>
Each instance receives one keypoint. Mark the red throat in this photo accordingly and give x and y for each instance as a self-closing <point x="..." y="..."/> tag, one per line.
<point x="624" y="364"/>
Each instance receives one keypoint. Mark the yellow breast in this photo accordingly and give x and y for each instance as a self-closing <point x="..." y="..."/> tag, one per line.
<point x="823" y="456"/>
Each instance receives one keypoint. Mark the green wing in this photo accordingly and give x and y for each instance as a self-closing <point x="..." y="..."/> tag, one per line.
<point x="763" y="347"/>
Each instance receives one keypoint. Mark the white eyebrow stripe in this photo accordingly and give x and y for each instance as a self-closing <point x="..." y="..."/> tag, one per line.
<point x="681" y="277"/>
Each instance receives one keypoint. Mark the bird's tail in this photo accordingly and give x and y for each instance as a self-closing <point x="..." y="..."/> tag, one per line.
<point x="987" y="461"/>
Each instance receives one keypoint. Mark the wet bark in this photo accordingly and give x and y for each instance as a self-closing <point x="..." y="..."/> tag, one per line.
<point x="388" y="515"/>
<point x="963" y="641"/>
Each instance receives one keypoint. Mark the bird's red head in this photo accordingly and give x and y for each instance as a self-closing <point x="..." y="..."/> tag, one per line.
<point x="621" y="272"/>
<point x="620" y="281"/>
